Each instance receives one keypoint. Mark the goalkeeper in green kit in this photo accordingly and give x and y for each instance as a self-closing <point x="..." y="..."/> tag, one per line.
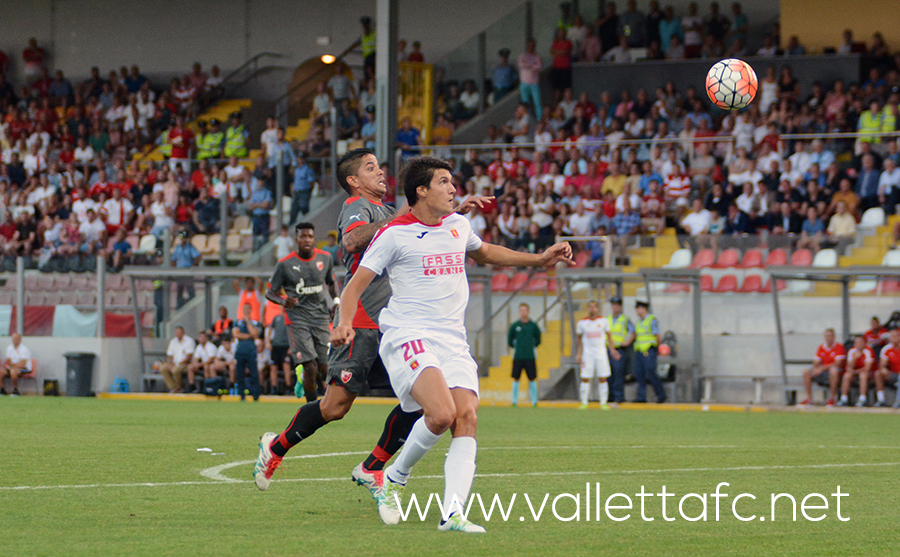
<point x="524" y="336"/>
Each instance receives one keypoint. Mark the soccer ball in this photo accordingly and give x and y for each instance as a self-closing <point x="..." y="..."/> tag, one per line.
<point x="731" y="84"/>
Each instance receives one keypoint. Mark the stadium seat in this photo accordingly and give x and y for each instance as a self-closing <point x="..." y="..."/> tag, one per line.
<point x="69" y="299"/>
<point x="31" y="282"/>
<point x="676" y="287"/>
<point x="891" y="258"/>
<point x="79" y="282"/>
<point x="116" y="282"/>
<point x="246" y="243"/>
<point x="86" y="298"/>
<point x="582" y="258"/>
<point x="62" y="281"/>
<point x="706" y="283"/>
<point x="52" y="298"/>
<point x="872" y="218"/>
<point x="476" y="287"/>
<point x="768" y="286"/>
<point x="147" y="244"/>
<point x="199" y="242"/>
<point x="233" y="243"/>
<point x="753" y="258"/>
<point x="704" y="258"/>
<point x="499" y="282"/>
<point x="34" y="298"/>
<point x="752" y="283"/>
<point x="680" y="258"/>
<point x="802" y="258"/>
<point x="728" y="258"/>
<point x="536" y="284"/>
<point x="7" y="298"/>
<point x="890" y="287"/>
<point x="727" y="283"/>
<point x="45" y="281"/>
<point x="241" y="223"/>
<point x="825" y="258"/>
<point x="776" y="257"/>
<point x="213" y="244"/>
<point x="518" y="281"/>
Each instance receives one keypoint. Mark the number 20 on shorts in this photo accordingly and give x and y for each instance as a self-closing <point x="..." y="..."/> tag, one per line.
<point x="412" y="348"/>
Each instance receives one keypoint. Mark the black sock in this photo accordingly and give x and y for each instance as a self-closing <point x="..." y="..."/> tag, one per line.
<point x="311" y="397"/>
<point x="396" y="429"/>
<point x="305" y="423"/>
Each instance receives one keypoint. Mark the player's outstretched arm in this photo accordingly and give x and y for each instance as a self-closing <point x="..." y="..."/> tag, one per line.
<point x="343" y="332"/>
<point x="357" y="240"/>
<point x="471" y="202"/>
<point x="498" y="255"/>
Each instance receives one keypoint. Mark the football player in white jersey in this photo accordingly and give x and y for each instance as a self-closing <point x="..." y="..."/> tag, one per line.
<point x="593" y="338"/>
<point x="424" y="345"/>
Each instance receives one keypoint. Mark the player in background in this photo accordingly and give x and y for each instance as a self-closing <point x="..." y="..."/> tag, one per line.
<point x="424" y="345"/>
<point x="829" y="359"/>
<point x="888" y="368"/>
<point x="362" y="215"/>
<point x="524" y="337"/>
<point x="860" y="363"/>
<point x="593" y="340"/>
<point x="303" y="283"/>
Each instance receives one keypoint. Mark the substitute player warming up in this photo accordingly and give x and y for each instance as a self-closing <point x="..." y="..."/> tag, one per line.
<point x="424" y="344"/>
<point x="593" y="338"/>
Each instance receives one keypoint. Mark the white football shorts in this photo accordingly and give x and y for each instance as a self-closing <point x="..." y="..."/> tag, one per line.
<point x="595" y="365"/>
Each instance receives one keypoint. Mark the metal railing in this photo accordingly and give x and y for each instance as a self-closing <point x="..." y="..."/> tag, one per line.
<point x="228" y="82"/>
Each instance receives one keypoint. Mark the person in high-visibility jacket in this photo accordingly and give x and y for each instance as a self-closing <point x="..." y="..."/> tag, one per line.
<point x="622" y="331"/>
<point x="236" y="137"/>
<point x="870" y="123"/>
<point x="214" y="141"/>
<point x="200" y="140"/>
<point x="164" y="146"/>
<point x="367" y="44"/>
<point x="646" y="347"/>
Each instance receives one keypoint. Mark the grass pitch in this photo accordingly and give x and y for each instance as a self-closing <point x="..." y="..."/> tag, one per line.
<point x="108" y="477"/>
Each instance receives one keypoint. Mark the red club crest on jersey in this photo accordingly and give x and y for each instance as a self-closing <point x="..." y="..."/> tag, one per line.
<point x="414" y="365"/>
<point x="346" y="376"/>
<point x="454" y="232"/>
<point x="320" y="265"/>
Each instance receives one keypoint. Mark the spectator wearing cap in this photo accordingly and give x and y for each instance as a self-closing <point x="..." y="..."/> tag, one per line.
<point x="200" y="140"/>
<point x="646" y="345"/>
<point x="184" y="256"/>
<point x="504" y="76"/>
<point x="623" y="333"/>
<point x="214" y="141"/>
<point x="236" y="137"/>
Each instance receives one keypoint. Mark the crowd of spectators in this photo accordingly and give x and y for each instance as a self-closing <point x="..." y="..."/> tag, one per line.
<point x="594" y="165"/>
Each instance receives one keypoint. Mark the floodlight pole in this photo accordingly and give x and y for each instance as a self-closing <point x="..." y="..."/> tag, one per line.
<point x="386" y="73"/>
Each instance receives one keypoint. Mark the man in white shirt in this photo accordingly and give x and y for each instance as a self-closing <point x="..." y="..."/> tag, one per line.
<point x="698" y="220"/>
<point x="180" y="352"/>
<point x="204" y="356"/>
<point x="84" y="153"/>
<point x="225" y="359"/>
<point x="889" y="186"/>
<point x="233" y="170"/>
<point x="580" y="221"/>
<point x="801" y="160"/>
<point x="594" y="345"/>
<point x="269" y="137"/>
<point x="117" y="211"/>
<point x="34" y="162"/>
<point x="16" y="364"/>
<point x="93" y="231"/>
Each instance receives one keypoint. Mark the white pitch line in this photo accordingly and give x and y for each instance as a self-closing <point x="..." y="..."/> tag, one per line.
<point x="496" y="475"/>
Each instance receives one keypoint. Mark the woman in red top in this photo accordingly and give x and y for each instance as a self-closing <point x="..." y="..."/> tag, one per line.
<point x="184" y="213"/>
<point x="561" y="70"/>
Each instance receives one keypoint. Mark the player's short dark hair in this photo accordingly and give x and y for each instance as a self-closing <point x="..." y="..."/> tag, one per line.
<point x="304" y="225"/>
<point x="523" y="304"/>
<point x="349" y="166"/>
<point x="418" y="172"/>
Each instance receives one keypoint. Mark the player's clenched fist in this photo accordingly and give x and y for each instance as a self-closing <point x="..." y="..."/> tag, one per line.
<point x="341" y="335"/>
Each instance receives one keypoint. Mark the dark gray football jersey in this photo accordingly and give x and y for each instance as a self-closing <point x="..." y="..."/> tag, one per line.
<point x="358" y="211"/>
<point x="307" y="280"/>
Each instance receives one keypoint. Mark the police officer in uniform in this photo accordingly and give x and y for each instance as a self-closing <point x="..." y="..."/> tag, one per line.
<point x="622" y="331"/>
<point x="200" y="140"/>
<point x="646" y="347"/>
<point x="236" y="137"/>
<point x="214" y="141"/>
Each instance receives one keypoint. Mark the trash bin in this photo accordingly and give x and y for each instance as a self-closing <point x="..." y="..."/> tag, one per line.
<point x="79" y="372"/>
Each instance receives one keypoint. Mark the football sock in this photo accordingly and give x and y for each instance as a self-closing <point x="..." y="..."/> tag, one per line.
<point x="396" y="430"/>
<point x="879" y="396"/>
<point x="418" y="443"/>
<point x="515" y="393"/>
<point x="459" y="471"/>
<point x="307" y="420"/>
<point x="585" y="390"/>
<point x="862" y="398"/>
<point x="843" y="398"/>
<point x="604" y="392"/>
<point x="532" y="388"/>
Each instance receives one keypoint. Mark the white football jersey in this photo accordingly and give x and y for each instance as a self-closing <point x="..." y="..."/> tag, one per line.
<point x="426" y="267"/>
<point x="593" y="335"/>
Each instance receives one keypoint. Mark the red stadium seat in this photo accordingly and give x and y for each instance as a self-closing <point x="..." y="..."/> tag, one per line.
<point x="890" y="286"/>
<point x="476" y="287"/>
<point x="752" y="258"/>
<point x="500" y="282"/>
<point x="517" y="282"/>
<point x="704" y="258"/>
<point x="753" y="283"/>
<point x="706" y="283"/>
<point x="768" y="286"/>
<point x="727" y="283"/>
<point x="802" y="258"/>
<point x="728" y="258"/>
<point x="582" y="258"/>
<point x="776" y="257"/>
<point x="536" y="284"/>
<point x="675" y="287"/>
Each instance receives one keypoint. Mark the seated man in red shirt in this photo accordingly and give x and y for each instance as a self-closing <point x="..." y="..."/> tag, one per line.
<point x="828" y="364"/>
<point x="876" y="337"/>
<point x="860" y="363"/>
<point x="888" y="368"/>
